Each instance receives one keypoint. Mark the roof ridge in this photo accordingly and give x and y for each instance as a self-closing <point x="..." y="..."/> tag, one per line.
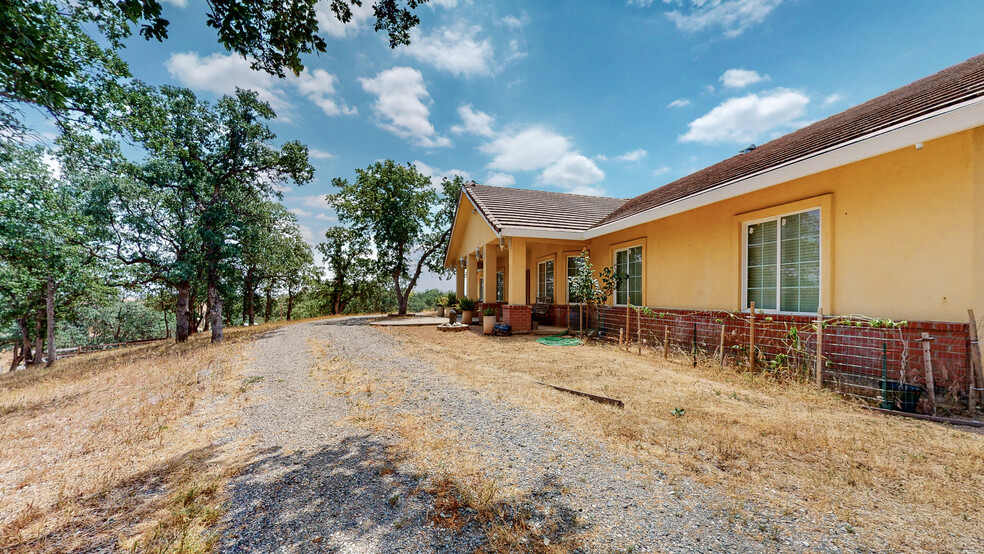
<point x="948" y="87"/>
<point x="474" y="184"/>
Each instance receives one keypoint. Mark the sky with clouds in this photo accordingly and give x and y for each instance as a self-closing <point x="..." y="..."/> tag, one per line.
<point x="599" y="98"/>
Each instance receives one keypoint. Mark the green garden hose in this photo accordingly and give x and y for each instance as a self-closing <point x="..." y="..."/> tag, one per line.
<point x="558" y="340"/>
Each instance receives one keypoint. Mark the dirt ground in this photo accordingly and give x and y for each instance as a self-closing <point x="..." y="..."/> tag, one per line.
<point x="900" y="484"/>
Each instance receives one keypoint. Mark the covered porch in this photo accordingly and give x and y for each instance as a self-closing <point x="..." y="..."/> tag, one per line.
<point x="524" y="279"/>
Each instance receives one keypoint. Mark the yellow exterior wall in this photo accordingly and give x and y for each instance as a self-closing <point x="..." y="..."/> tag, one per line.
<point x="470" y="232"/>
<point x="901" y="237"/>
<point x="977" y="203"/>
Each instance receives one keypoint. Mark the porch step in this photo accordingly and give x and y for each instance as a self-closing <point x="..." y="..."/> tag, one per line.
<point x="547" y="330"/>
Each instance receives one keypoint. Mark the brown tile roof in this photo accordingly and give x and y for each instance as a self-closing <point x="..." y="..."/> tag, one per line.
<point x="951" y="86"/>
<point x="508" y="207"/>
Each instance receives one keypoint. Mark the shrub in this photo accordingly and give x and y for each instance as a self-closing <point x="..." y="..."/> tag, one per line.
<point x="467" y="304"/>
<point x="489" y="310"/>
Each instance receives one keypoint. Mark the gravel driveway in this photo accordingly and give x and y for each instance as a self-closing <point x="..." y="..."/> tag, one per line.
<point x="318" y="481"/>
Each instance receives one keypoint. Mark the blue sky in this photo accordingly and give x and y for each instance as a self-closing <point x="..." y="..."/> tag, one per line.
<point x="606" y="98"/>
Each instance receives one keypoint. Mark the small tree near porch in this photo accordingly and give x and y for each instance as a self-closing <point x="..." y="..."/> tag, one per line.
<point x="407" y="220"/>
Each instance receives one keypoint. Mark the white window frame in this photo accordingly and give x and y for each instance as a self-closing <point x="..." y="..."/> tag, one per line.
<point x="744" y="261"/>
<point x="567" y="278"/>
<point x="642" y="275"/>
<point x="539" y="293"/>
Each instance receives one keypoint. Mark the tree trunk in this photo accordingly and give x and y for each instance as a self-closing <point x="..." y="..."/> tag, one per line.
<point x="290" y="303"/>
<point x="182" y="312"/>
<point x="15" y="357"/>
<point x="50" y="309"/>
<point x="269" y="300"/>
<point x="119" y="325"/>
<point x="401" y="299"/>
<point x="38" y="338"/>
<point x="25" y="340"/>
<point x="215" y="308"/>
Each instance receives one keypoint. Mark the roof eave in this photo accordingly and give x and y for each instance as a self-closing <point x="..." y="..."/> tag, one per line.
<point x="457" y="210"/>
<point x="954" y="119"/>
<point x="540" y="233"/>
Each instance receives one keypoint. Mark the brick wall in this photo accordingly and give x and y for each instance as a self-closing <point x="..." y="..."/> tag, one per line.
<point x="518" y="316"/>
<point x="497" y="305"/>
<point x="852" y="349"/>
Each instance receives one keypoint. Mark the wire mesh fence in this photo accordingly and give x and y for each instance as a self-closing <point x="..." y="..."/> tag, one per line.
<point x="883" y="363"/>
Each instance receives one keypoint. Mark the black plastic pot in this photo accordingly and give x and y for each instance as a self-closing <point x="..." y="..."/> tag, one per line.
<point x="899" y="396"/>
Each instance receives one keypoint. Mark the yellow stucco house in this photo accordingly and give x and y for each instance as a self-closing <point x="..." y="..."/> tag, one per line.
<point x="878" y="210"/>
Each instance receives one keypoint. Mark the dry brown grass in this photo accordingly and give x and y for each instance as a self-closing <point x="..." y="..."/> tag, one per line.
<point x="463" y="489"/>
<point x="903" y="484"/>
<point x="115" y="450"/>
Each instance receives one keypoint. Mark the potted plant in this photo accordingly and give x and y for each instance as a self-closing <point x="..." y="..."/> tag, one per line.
<point x="452" y="300"/>
<point x="488" y="319"/>
<point x="442" y="303"/>
<point x="467" y="306"/>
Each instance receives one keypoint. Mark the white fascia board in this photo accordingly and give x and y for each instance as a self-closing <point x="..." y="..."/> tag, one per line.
<point x="454" y="224"/>
<point x="928" y="127"/>
<point x="538" y="233"/>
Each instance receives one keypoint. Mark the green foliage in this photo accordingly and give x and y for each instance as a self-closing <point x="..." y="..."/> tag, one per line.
<point x="60" y="55"/>
<point x="467" y="304"/>
<point x="678" y="412"/>
<point x="583" y="284"/>
<point x="408" y="222"/>
<point x="489" y="311"/>
<point x="426" y="300"/>
<point x="452" y="300"/>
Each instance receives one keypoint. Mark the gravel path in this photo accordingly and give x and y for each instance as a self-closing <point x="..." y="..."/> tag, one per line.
<point x="316" y="484"/>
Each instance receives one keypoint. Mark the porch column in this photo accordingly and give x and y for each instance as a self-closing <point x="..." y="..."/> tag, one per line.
<point x="459" y="289"/>
<point x="517" y="314"/>
<point x="491" y="267"/>
<point x="517" y="271"/>
<point x="471" y="279"/>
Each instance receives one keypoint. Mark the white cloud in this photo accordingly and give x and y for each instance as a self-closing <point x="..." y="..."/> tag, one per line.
<point x="326" y="217"/>
<point x="748" y="117"/>
<point x="318" y="201"/>
<point x="177" y="3"/>
<point x="455" y="49"/>
<point x="532" y="148"/>
<point x="633" y="156"/>
<point x="330" y="24"/>
<point x="221" y="74"/>
<point x="572" y="172"/>
<point x="308" y="235"/>
<point x="444" y="3"/>
<point x="319" y="154"/>
<point x="733" y="16"/>
<point x="680" y="103"/>
<point x="319" y="86"/>
<point x="641" y="3"/>
<point x="500" y="180"/>
<point x="832" y="99"/>
<point x="401" y="98"/>
<point x="515" y="22"/>
<point x="475" y="122"/>
<point x="741" y="78"/>
<point x="660" y="170"/>
<point x="300" y="212"/>
<point x="437" y="175"/>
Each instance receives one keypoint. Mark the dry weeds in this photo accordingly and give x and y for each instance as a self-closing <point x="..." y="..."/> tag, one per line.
<point x="462" y="487"/>
<point x="903" y="484"/>
<point x="117" y="450"/>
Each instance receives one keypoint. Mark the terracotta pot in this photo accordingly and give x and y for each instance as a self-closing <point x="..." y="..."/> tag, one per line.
<point x="467" y="316"/>
<point x="440" y="311"/>
<point x="488" y="322"/>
